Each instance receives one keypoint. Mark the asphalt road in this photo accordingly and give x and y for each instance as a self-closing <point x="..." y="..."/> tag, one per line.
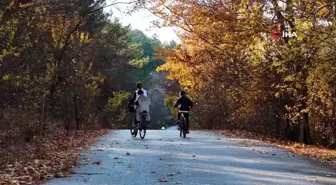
<point x="203" y="158"/>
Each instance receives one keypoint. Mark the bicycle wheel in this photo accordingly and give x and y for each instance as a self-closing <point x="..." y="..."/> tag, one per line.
<point x="181" y="127"/>
<point x="142" y="130"/>
<point x="184" y="128"/>
<point x="132" y="126"/>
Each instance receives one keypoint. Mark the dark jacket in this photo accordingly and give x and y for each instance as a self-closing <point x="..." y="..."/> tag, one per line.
<point x="135" y="95"/>
<point x="184" y="102"/>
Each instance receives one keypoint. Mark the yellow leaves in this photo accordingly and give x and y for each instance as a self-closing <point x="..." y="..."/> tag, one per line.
<point x="305" y="110"/>
<point x="169" y="101"/>
<point x="139" y="63"/>
<point x="61" y="28"/>
<point x="323" y="10"/>
<point x="6" y="77"/>
<point x="229" y="44"/>
<point x="289" y="78"/>
<point x="12" y="4"/>
<point x="84" y="37"/>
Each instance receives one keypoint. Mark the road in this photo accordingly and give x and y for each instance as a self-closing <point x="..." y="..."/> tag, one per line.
<point x="203" y="158"/>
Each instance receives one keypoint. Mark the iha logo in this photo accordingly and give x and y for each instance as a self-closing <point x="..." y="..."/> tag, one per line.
<point x="285" y="32"/>
<point x="276" y="34"/>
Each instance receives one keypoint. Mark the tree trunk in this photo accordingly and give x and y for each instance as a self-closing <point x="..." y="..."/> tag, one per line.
<point x="43" y="116"/>
<point x="307" y="138"/>
<point x="76" y="107"/>
<point x="286" y="132"/>
<point x="332" y="125"/>
<point x="277" y="126"/>
<point x="304" y="136"/>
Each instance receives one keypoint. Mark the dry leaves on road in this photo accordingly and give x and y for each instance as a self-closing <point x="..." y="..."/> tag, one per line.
<point x="318" y="153"/>
<point x="44" y="158"/>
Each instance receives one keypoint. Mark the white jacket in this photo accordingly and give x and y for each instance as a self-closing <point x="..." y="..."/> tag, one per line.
<point x="144" y="103"/>
<point x="145" y="92"/>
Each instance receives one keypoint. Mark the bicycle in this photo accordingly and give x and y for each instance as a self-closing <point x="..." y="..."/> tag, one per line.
<point x="183" y="125"/>
<point x="132" y="126"/>
<point x="141" y="127"/>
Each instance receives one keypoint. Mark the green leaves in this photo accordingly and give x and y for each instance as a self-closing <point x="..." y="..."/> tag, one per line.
<point x="117" y="99"/>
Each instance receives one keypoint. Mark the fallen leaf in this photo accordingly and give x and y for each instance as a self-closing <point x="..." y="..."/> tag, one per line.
<point x="127" y="153"/>
<point x="171" y="174"/>
<point x="153" y="171"/>
<point x="194" y="155"/>
<point x="96" y="163"/>
<point x="60" y="175"/>
<point x="163" y="180"/>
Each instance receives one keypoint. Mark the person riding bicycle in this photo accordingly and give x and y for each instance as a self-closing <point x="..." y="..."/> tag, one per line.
<point x="184" y="104"/>
<point x="135" y="94"/>
<point x="142" y="104"/>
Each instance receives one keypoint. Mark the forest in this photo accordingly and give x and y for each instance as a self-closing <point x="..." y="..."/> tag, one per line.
<point x="264" y="66"/>
<point x="64" y="66"/>
<point x="261" y="66"/>
<point x="67" y="61"/>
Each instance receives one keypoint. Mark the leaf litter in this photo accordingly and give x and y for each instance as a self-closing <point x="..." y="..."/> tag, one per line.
<point x="46" y="157"/>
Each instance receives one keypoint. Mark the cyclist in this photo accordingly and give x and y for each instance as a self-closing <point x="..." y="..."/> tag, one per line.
<point x="142" y="104"/>
<point x="135" y="96"/>
<point x="184" y="104"/>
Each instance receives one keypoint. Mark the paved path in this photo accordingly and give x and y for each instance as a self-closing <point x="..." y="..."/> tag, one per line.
<point x="203" y="158"/>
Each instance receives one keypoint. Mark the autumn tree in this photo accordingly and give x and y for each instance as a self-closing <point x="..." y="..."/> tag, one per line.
<point x="243" y="77"/>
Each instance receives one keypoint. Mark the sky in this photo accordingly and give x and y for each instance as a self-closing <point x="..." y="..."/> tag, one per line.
<point x="141" y="20"/>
